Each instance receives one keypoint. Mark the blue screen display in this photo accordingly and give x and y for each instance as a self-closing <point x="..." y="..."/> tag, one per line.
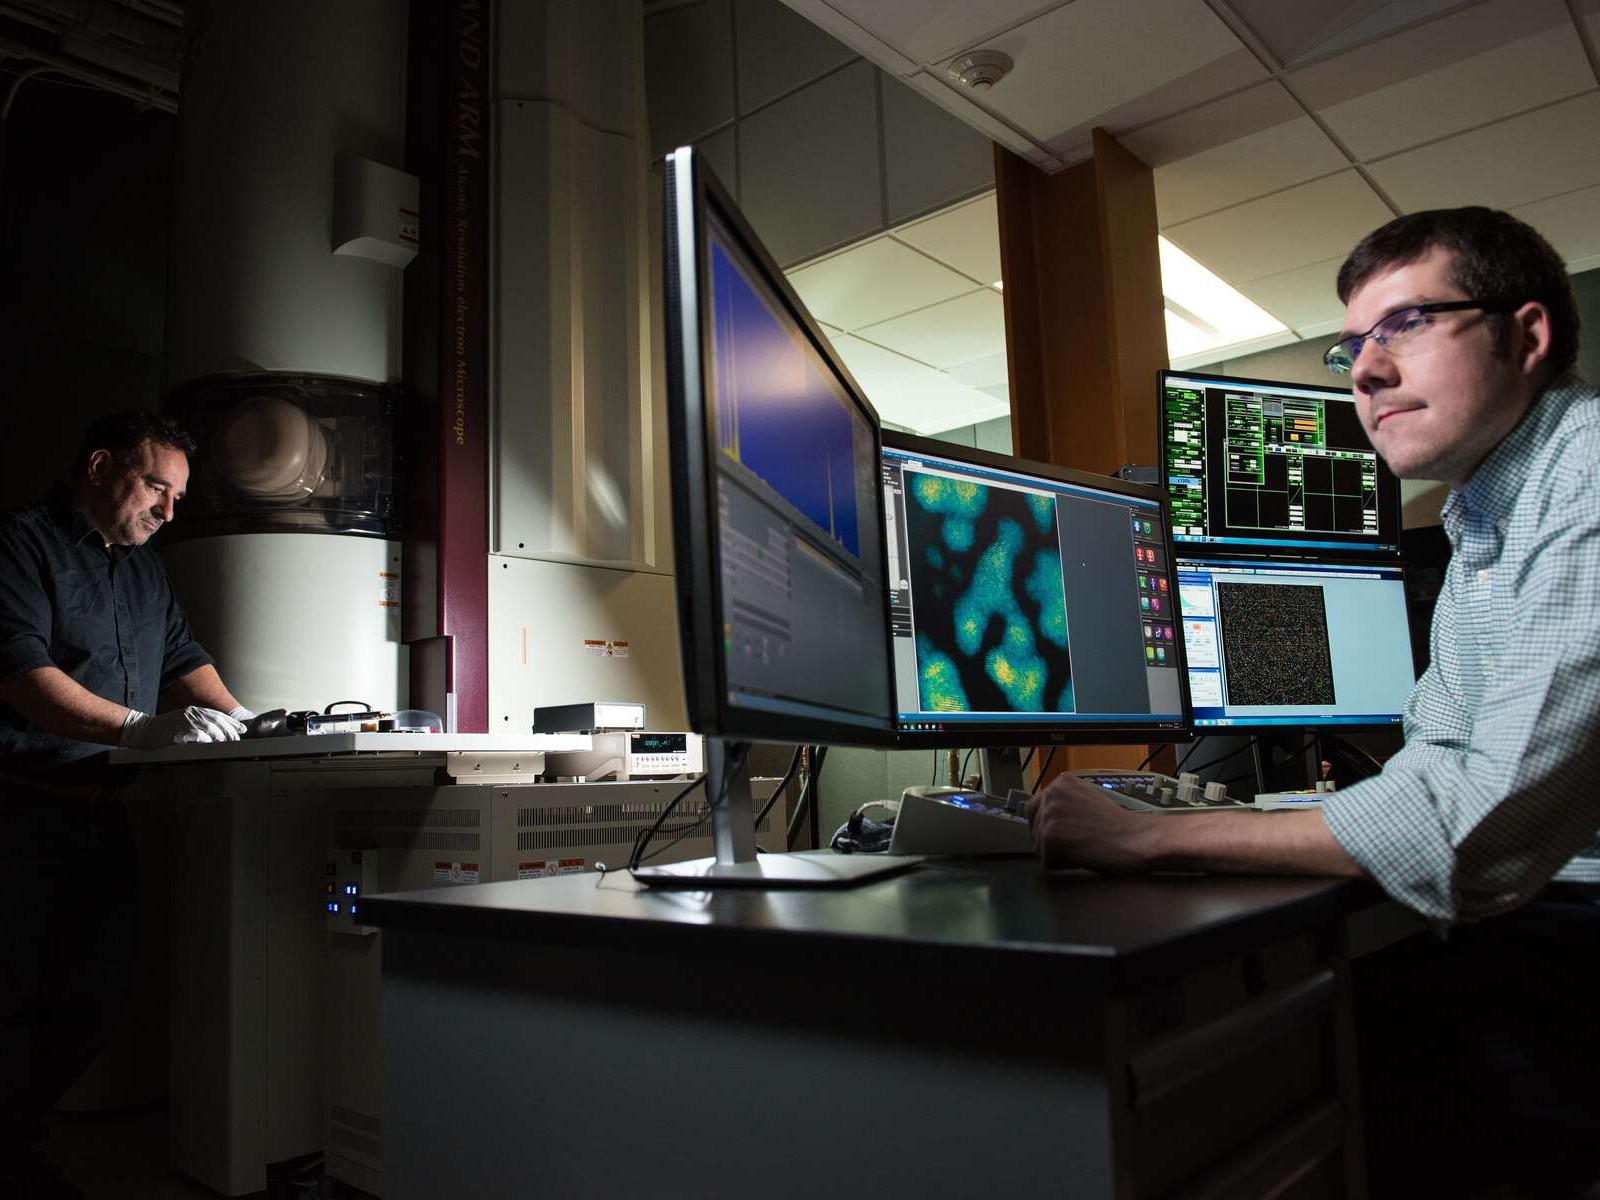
<point x="779" y="414"/>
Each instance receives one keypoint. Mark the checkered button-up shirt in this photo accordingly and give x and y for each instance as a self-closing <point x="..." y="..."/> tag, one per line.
<point x="1498" y="785"/>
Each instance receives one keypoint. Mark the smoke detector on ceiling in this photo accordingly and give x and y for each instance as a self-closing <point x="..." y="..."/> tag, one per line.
<point x="980" y="70"/>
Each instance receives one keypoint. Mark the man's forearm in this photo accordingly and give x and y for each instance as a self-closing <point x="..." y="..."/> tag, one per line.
<point x="1292" y="843"/>
<point x="203" y="686"/>
<point x="58" y="704"/>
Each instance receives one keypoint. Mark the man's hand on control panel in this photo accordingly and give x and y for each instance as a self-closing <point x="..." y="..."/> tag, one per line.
<point x="141" y="731"/>
<point x="1074" y="825"/>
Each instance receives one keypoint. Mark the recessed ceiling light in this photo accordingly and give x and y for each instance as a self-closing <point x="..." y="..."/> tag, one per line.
<point x="1203" y="312"/>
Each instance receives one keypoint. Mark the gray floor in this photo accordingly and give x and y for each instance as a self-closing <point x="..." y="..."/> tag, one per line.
<point x="123" y="1156"/>
<point x="120" y="1156"/>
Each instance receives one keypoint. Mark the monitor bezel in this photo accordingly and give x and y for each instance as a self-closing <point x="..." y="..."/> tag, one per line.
<point x="691" y="190"/>
<point x="1388" y="482"/>
<point x="1359" y="563"/>
<point x="1079" y="732"/>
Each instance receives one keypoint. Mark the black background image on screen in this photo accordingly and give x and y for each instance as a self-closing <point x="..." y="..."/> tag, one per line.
<point x="1330" y="491"/>
<point x="1275" y="641"/>
<point x="989" y="608"/>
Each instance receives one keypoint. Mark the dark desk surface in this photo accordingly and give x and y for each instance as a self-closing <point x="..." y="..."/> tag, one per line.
<point x="1116" y="930"/>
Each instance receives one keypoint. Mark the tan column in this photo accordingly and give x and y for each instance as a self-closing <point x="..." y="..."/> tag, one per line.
<point x="1085" y="330"/>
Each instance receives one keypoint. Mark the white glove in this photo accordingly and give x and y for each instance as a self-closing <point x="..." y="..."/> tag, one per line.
<point x="141" y="731"/>
<point x="241" y="713"/>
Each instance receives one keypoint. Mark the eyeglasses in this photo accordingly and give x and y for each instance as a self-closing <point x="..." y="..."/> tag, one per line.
<point x="1399" y="328"/>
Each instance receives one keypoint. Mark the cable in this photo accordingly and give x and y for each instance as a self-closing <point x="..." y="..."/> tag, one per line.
<point x="1023" y="769"/>
<point x="735" y="763"/>
<point x="1295" y="753"/>
<point x="810" y="795"/>
<point x="642" y="839"/>
<point x="1189" y="753"/>
<point x="1148" y="758"/>
<point x="933" y="780"/>
<point x="794" y="765"/>
<point x="1206" y="766"/>
<point x="967" y="758"/>
<point x="1044" y="768"/>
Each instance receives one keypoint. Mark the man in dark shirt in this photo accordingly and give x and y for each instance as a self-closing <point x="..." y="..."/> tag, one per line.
<point x="90" y="639"/>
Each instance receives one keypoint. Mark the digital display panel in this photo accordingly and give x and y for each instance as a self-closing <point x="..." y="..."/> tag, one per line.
<point x="1272" y="643"/>
<point x="1019" y="601"/>
<point x="1255" y="464"/>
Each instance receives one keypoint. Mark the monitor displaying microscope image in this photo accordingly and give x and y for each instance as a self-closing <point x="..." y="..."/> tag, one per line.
<point x="1028" y="603"/>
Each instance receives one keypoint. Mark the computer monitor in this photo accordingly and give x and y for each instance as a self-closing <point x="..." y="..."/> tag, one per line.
<point x="777" y="517"/>
<point x="1029" y="603"/>
<point x="1276" y="645"/>
<point x="1252" y="464"/>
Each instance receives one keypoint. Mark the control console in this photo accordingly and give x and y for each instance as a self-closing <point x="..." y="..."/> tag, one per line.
<point x="946" y="820"/>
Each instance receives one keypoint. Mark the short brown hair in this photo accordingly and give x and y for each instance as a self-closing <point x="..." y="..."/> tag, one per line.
<point x="1494" y="256"/>
<point x="123" y="433"/>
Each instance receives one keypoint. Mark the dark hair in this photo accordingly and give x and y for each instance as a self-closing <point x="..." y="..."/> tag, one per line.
<point x="123" y="433"/>
<point x="1494" y="257"/>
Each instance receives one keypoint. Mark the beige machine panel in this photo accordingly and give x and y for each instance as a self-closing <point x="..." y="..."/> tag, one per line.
<point x="564" y="633"/>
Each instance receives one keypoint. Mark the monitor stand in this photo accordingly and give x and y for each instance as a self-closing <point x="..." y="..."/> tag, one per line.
<point x="1001" y="768"/>
<point x="733" y="835"/>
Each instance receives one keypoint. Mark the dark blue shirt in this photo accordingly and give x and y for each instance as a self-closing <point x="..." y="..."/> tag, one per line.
<point x="105" y="617"/>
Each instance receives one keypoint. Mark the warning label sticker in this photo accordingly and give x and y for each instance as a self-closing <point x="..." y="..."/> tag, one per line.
<point x="599" y="648"/>
<point x="449" y="872"/>
<point x="388" y="589"/>
<point x="554" y="866"/>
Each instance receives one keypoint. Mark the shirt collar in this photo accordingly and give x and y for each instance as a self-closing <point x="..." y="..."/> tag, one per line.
<point x="1492" y="491"/>
<point x="74" y="523"/>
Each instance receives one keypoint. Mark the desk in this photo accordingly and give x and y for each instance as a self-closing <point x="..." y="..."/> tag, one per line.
<point x="958" y="1030"/>
<point x="273" y="1000"/>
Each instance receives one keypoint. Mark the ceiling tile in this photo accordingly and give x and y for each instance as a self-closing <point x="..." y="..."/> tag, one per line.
<point x="948" y="334"/>
<point x="930" y="156"/>
<point x="872" y="282"/>
<point x="966" y="237"/>
<point x="1514" y="162"/>
<point x="1176" y="96"/>
<point x="1288" y="229"/>
<point x="685" y="107"/>
<point x="1311" y="29"/>
<point x="1211" y="125"/>
<point x="1571" y="224"/>
<point x="1241" y="170"/>
<point x="935" y="87"/>
<point x="1080" y="61"/>
<point x="930" y="32"/>
<point x="804" y="188"/>
<point x="933" y="402"/>
<point x="873" y="366"/>
<point x="1303" y="298"/>
<point x="1454" y="74"/>
<point x="778" y="51"/>
<point x="985" y="374"/>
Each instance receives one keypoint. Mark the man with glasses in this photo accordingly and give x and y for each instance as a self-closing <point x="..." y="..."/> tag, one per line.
<point x="1462" y="334"/>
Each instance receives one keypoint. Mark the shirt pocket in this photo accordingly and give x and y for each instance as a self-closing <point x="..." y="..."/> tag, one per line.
<point x="83" y="634"/>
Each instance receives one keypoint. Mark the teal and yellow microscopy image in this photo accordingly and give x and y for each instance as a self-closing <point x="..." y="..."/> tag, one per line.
<point x="990" y="612"/>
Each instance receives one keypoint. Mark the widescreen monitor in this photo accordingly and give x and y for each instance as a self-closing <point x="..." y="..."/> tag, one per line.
<point x="1029" y="603"/>
<point x="1281" y="645"/>
<point x="777" y="513"/>
<point x="1272" y="467"/>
